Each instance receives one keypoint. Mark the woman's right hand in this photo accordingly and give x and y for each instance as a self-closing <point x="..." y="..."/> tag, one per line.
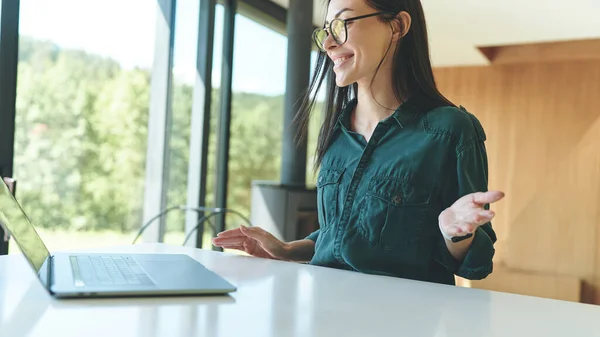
<point x="254" y="241"/>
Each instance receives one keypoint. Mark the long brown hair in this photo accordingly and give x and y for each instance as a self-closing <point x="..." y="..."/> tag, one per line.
<point x="412" y="74"/>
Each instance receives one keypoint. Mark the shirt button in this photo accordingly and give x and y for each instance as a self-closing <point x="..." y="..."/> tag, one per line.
<point x="396" y="199"/>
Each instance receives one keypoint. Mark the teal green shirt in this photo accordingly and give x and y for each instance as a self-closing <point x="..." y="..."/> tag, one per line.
<point x="379" y="201"/>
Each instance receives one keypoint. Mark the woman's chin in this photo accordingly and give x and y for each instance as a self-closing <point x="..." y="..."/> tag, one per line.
<point x="345" y="77"/>
<point x="342" y="81"/>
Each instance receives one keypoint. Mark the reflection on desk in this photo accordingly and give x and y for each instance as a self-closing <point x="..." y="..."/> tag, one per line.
<point x="276" y="298"/>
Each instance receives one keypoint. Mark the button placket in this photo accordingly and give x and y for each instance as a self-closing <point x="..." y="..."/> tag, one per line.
<point x="378" y="133"/>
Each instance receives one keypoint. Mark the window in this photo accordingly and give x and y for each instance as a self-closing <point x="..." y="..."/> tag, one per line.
<point x="184" y="73"/>
<point x="259" y="76"/>
<point x="82" y="116"/>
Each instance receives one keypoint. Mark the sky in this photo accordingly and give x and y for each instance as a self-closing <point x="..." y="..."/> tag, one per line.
<point x="124" y="31"/>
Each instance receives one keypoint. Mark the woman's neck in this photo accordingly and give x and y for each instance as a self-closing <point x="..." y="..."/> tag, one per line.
<point x="375" y="100"/>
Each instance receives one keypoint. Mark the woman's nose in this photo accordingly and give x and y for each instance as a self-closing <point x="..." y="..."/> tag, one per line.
<point x="329" y="42"/>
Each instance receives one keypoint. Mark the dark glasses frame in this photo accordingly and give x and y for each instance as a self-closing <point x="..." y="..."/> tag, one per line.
<point x="327" y="28"/>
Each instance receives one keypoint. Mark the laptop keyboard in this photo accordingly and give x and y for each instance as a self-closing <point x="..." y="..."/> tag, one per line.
<point x="110" y="270"/>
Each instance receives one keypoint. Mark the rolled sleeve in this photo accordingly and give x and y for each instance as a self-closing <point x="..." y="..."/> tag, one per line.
<point x="478" y="263"/>
<point x="314" y="235"/>
<point x="472" y="176"/>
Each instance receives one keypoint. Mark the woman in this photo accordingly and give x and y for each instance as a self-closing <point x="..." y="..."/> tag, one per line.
<point x="403" y="171"/>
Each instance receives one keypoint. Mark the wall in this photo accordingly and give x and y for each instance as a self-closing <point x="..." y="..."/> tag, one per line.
<point x="543" y="126"/>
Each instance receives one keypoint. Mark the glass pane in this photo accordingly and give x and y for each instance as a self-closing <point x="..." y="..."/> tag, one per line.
<point x="259" y="75"/>
<point x="184" y="72"/>
<point x="338" y="30"/>
<point x="82" y="113"/>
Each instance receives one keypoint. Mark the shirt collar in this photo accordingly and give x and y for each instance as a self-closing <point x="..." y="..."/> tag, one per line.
<point x="406" y="112"/>
<point x="343" y="120"/>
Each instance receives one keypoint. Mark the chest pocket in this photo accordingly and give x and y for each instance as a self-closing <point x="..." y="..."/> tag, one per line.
<point x="393" y="212"/>
<point x="328" y="189"/>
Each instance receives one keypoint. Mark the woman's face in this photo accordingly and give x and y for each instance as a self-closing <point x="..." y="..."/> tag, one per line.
<point x="367" y="42"/>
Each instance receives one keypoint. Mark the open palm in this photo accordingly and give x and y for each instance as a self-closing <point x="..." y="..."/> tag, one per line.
<point x="468" y="213"/>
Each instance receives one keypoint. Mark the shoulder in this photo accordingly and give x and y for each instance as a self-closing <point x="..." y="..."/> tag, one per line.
<point x="457" y="124"/>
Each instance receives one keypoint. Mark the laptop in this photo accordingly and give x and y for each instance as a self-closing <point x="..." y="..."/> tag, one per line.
<point x="73" y="275"/>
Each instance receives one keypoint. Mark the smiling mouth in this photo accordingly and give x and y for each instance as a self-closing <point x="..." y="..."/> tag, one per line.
<point x="341" y="61"/>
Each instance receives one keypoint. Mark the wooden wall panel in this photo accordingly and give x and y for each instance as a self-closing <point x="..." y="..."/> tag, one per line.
<point x="543" y="127"/>
<point x="565" y="288"/>
<point x="568" y="51"/>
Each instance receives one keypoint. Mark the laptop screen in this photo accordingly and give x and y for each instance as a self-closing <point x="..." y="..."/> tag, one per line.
<point x="16" y="221"/>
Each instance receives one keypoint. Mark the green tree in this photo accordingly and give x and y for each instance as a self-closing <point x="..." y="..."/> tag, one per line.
<point x="81" y="141"/>
<point x="57" y="91"/>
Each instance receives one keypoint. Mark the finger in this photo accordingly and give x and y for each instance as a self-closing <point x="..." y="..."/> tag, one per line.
<point x="482" y="198"/>
<point x="474" y="220"/>
<point x="481" y="217"/>
<point x="454" y="231"/>
<point x="237" y="247"/>
<point x="230" y="232"/>
<point x="478" y="217"/>
<point x="487" y="215"/>
<point x="466" y="229"/>
<point x="256" y="233"/>
<point x="461" y="230"/>
<point x="230" y="241"/>
<point x="239" y="236"/>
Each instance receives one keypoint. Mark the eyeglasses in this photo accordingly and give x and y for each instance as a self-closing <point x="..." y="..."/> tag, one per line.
<point x="338" y="30"/>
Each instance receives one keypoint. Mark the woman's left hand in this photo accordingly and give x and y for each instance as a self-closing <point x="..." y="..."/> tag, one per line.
<point x="468" y="213"/>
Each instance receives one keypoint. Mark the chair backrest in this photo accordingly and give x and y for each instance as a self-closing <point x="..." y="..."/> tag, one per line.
<point x="4" y="234"/>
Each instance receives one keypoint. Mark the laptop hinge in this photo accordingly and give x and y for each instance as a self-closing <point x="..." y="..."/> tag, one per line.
<point x="50" y="274"/>
<point x="45" y="274"/>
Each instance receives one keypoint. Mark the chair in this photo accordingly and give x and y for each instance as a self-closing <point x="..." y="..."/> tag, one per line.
<point x="4" y="234"/>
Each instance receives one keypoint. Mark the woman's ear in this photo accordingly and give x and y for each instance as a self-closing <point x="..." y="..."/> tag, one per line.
<point x="402" y="25"/>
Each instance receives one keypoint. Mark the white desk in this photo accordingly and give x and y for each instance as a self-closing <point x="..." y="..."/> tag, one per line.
<point x="287" y="299"/>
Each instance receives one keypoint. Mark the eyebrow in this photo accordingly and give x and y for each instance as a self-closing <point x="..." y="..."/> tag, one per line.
<point x="340" y="13"/>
